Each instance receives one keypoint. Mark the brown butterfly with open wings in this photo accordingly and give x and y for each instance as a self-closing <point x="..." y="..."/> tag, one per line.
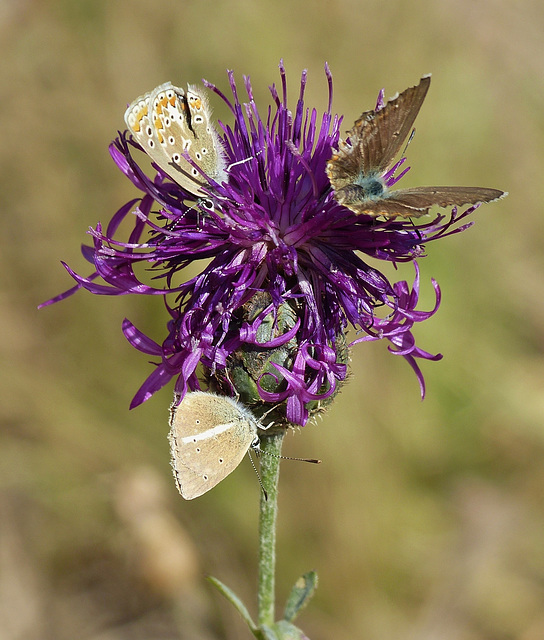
<point x="356" y="170"/>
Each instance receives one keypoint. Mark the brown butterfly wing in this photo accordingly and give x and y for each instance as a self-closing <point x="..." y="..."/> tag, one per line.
<point x="381" y="134"/>
<point x="376" y="137"/>
<point x="344" y="167"/>
<point x="415" y="202"/>
<point x="201" y="458"/>
<point x="389" y="208"/>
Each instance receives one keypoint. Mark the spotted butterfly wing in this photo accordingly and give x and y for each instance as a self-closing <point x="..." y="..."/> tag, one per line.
<point x="356" y="170"/>
<point x="209" y="436"/>
<point x="170" y="122"/>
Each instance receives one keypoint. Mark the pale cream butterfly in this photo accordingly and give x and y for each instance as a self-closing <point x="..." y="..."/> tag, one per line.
<point x="170" y="123"/>
<point x="209" y="436"/>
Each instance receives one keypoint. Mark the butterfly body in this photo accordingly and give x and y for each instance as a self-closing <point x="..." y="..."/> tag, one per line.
<point x="173" y="124"/>
<point x="362" y="189"/>
<point x="209" y="436"/>
<point x="361" y="166"/>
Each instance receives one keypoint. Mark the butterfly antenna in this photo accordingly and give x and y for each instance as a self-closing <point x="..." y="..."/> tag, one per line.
<point x="267" y="453"/>
<point x="234" y="164"/>
<point x="416" y="229"/>
<point x="409" y="140"/>
<point x="202" y="203"/>
<point x="258" y="476"/>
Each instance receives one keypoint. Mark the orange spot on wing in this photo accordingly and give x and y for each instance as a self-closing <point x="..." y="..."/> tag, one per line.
<point x="196" y="102"/>
<point x="157" y="123"/>
<point x="163" y="102"/>
<point x="142" y="113"/>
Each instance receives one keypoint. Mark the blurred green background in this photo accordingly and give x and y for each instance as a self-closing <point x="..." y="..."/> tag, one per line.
<point x="426" y="519"/>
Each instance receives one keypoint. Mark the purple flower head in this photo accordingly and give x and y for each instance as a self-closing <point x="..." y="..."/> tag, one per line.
<point x="285" y="267"/>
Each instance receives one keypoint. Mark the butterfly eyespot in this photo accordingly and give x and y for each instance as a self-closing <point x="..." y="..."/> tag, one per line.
<point x="149" y="130"/>
<point x="151" y="143"/>
<point x="199" y="119"/>
<point x="204" y="151"/>
<point x="167" y="122"/>
<point x="197" y="449"/>
<point x="221" y="460"/>
<point x="198" y="155"/>
<point x="195" y="172"/>
<point x="176" y="158"/>
<point x="171" y="140"/>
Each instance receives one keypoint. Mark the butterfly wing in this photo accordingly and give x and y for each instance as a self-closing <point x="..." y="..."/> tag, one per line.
<point x="382" y="133"/>
<point x="208" y="439"/>
<point x="374" y="141"/>
<point x="209" y="150"/>
<point x="161" y="121"/>
<point x="415" y="202"/>
<point x="344" y="167"/>
<point x="376" y="138"/>
<point x="138" y="121"/>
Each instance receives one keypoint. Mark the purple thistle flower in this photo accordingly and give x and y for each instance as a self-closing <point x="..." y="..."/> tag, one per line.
<point x="285" y="273"/>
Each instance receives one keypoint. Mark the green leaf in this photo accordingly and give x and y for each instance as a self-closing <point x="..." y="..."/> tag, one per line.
<point x="300" y="595"/>
<point x="238" y="604"/>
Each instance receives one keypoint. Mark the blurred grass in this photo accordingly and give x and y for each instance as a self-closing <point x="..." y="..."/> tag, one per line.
<point x="426" y="519"/>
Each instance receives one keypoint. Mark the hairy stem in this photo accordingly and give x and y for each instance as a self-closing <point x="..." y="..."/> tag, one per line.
<point x="270" y="472"/>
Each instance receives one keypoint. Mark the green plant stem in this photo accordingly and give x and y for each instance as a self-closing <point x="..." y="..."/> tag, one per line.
<point x="270" y="472"/>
